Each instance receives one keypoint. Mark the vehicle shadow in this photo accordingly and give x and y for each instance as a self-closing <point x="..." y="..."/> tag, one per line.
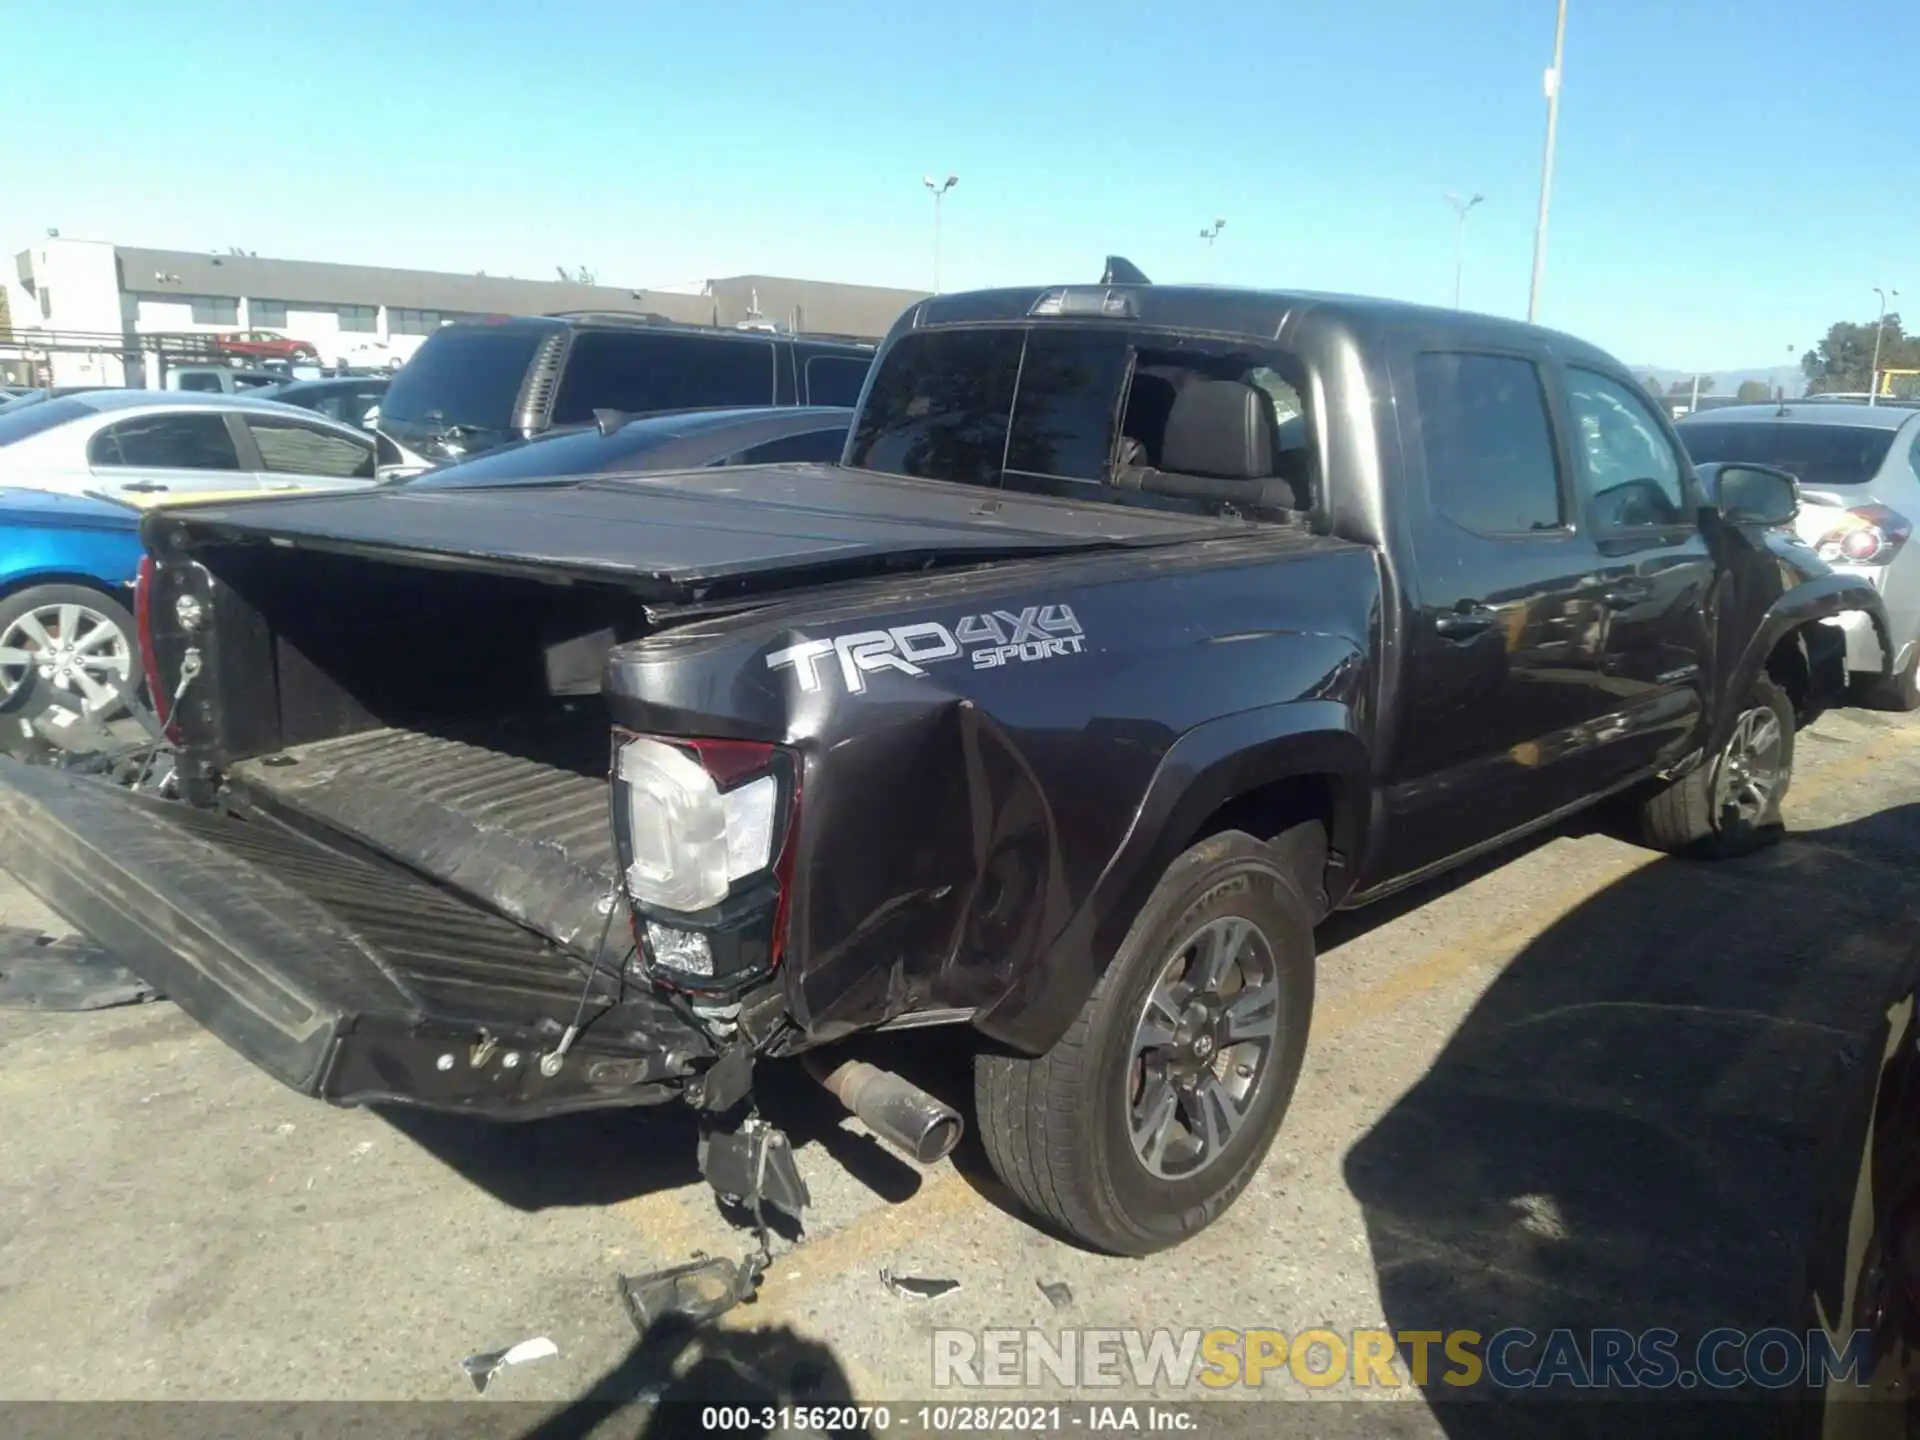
<point x="1625" y="1132"/>
<point x="677" y="1372"/>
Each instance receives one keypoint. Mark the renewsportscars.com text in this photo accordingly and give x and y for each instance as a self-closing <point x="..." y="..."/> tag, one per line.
<point x="1511" y="1359"/>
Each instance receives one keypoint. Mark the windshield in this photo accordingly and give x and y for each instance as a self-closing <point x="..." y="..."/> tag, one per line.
<point x="41" y="415"/>
<point x="463" y="376"/>
<point x="1815" y="455"/>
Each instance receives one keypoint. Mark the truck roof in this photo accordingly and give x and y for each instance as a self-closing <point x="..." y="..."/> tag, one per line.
<point x="1226" y="310"/>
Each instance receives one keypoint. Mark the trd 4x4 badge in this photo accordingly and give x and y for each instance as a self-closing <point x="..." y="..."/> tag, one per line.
<point x="999" y="637"/>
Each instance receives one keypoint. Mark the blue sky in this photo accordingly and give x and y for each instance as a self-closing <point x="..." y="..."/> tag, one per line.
<point x="1730" y="178"/>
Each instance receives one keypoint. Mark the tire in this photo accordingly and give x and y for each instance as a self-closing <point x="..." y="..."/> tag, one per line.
<point x="1684" y="816"/>
<point x="1898" y="692"/>
<point x="91" y="609"/>
<point x="1059" y="1128"/>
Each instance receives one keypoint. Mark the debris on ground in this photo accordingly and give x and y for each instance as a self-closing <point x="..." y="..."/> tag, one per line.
<point x="1059" y="1294"/>
<point x="703" y="1289"/>
<point x="483" y="1367"/>
<point x="920" y="1287"/>
<point x="39" y="971"/>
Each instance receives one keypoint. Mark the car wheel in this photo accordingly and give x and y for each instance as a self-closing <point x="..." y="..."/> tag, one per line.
<point x="1899" y="691"/>
<point x="1731" y="805"/>
<point x="76" y="644"/>
<point x="1149" y="1117"/>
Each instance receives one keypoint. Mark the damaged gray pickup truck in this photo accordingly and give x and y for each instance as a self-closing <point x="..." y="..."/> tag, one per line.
<point x="1139" y="628"/>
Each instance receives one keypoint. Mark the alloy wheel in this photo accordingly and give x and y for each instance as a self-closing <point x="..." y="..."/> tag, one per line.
<point x="1202" y="1046"/>
<point x="76" y="650"/>
<point x="1748" y="777"/>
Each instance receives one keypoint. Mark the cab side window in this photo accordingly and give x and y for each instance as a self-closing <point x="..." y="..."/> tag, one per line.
<point x="1629" y="474"/>
<point x="1487" y="442"/>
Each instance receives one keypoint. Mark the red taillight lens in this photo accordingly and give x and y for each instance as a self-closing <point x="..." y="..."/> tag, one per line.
<point x="1866" y="535"/>
<point x="143" y="625"/>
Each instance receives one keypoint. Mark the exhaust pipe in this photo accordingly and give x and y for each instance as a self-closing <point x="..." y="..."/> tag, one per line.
<point x="899" y="1112"/>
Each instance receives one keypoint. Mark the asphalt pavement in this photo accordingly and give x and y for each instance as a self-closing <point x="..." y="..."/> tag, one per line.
<point x="1582" y="1084"/>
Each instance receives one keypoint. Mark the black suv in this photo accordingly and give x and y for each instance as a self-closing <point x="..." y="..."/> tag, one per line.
<point x="476" y="384"/>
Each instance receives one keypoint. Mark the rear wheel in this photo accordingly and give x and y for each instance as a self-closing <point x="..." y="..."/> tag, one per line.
<point x="1731" y="804"/>
<point x="75" y="644"/>
<point x="1149" y="1117"/>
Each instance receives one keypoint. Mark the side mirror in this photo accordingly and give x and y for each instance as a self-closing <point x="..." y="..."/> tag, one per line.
<point x="1752" y="494"/>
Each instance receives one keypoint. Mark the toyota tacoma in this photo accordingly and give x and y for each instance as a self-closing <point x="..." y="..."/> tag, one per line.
<point x="1138" y="628"/>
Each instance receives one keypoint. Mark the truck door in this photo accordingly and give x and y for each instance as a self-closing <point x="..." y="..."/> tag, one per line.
<point x="1656" y="573"/>
<point x="1503" y="695"/>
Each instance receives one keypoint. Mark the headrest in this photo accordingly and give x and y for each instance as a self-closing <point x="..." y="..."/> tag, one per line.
<point x="1220" y="428"/>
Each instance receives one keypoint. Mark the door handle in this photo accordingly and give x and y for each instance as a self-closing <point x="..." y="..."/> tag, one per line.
<point x="1625" y="597"/>
<point x="143" y="487"/>
<point x="1464" y="624"/>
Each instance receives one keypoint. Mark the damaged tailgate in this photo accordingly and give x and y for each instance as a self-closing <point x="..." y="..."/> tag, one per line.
<point x="345" y="979"/>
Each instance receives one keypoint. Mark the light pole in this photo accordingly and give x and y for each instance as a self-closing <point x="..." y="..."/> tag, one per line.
<point x="939" y="193"/>
<point x="1460" y="208"/>
<point x="1879" y="330"/>
<point x="1210" y="236"/>
<point x="1546" y="164"/>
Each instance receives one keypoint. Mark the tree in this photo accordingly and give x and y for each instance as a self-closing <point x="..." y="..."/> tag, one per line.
<point x="1654" y="388"/>
<point x="1685" y="386"/>
<point x="6" y="315"/>
<point x="1752" y="392"/>
<point x="1844" y="359"/>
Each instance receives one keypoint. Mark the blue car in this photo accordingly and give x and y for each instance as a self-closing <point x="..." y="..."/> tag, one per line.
<point x="67" y="569"/>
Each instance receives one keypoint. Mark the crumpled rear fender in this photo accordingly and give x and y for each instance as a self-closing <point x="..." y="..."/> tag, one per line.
<point x="1205" y="769"/>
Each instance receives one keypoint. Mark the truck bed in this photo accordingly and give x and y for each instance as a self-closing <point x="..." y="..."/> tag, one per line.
<point x="523" y="830"/>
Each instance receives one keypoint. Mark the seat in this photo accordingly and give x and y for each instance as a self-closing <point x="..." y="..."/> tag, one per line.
<point x="1222" y="429"/>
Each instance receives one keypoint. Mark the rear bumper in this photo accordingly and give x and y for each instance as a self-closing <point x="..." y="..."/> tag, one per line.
<point x="348" y="980"/>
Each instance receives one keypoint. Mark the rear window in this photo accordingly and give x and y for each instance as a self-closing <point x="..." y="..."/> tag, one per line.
<point x="1064" y="410"/>
<point x="634" y="372"/>
<point x="463" y="376"/>
<point x="41" y="415"/>
<point x="1815" y="455"/>
<point x="940" y="406"/>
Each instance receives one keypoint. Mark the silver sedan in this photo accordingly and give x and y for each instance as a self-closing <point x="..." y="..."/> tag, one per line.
<point x="1859" y="473"/>
<point x="155" y="444"/>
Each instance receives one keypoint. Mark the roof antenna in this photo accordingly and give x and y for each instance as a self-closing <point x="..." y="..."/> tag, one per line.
<point x="1122" y="271"/>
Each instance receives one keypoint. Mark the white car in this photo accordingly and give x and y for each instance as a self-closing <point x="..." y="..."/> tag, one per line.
<point x="135" y="443"/>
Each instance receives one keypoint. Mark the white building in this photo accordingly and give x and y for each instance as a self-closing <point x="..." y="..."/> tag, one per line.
<point x="95" y="300"/>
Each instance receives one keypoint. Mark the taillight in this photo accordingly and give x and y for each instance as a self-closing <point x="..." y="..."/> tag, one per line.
<point x="143" y="627"/>
<point x="1866" y="535"/>
<point x="707" y="845"/>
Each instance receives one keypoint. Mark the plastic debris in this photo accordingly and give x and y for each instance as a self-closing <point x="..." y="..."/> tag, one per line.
<point x="483" y="1367"/>
<point x="920" y="1287"/>
<point x="1059" y="1294"/>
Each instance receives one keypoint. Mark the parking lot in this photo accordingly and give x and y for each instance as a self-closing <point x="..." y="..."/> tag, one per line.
<point x="1577" y="1087"/>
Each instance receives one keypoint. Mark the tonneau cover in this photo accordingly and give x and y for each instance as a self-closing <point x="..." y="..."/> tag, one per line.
<point x="683" y="530"/>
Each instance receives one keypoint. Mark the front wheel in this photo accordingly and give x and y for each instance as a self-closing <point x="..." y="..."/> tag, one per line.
<point x="1149" y="1117"/>
<point x="1731" y="804"/>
